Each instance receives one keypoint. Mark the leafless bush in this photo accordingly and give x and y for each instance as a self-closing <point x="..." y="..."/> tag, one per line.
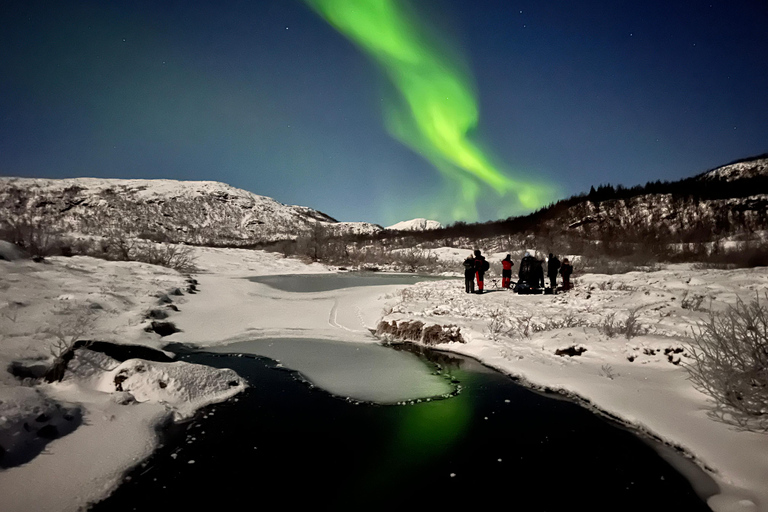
<point x="692" y="302"/>
<point x="72" y="324"/>
<point x="606" y="371"/>
<point x="31" y="235"/>
<point x="119" y="247"/>
<point x="496" y="325"/>
<point x="522" y="325"/>
<point x="730" y="363"/>
<point x="630" y="327"/>
<point x="177" y="257"/>
<point x="566" y="322"/>
<point x="609" y="326"/>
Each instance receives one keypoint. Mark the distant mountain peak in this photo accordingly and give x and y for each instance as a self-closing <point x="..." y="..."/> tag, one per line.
<point x="419" y="224"/>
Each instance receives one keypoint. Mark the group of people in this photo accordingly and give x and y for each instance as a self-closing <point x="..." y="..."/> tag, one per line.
<point x="530" y="274"/>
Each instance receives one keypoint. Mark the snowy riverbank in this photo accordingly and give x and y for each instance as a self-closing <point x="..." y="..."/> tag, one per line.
<point x="634" y="379"/>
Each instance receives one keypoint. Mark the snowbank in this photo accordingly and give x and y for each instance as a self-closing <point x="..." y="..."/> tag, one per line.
<point x="69" y="443"/>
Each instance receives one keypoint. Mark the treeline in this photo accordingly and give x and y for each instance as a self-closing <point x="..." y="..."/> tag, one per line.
<point x="682" y="194"/>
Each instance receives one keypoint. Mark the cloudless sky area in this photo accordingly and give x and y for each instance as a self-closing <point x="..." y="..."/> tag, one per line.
<point x="271" y="97"/>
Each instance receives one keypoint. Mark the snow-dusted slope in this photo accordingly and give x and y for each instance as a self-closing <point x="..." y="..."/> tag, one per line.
<point x="739" y="170"/>
<point x="415" y="225"/>
<point x="731" y="200"/>
<point x="200" y="212"/>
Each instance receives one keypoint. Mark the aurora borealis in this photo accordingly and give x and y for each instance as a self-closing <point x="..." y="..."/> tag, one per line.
<point x="436" y="109"/>
<point x="388" y="110"/>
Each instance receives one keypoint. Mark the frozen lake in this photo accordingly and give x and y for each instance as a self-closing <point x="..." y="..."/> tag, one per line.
<point x="307" y="283"/>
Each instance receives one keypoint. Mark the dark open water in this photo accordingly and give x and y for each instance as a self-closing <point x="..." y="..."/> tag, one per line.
<point x="283" y="444"/>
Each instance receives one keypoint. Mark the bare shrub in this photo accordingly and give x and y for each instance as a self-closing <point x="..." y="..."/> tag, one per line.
<point x="73" y="323"/>
<point x="730" y="363"/>
<point x="522" y="325"/>
<point x="606" y="371"/>
<point x="119" y="247"/>
<point x="32" y="236"/>
<point x="177" y="257"/>
<point x="692" y="302"/>
<point x="632" y="326"/>
<point x="496" y="324"/>
<point x="609" y="327"/>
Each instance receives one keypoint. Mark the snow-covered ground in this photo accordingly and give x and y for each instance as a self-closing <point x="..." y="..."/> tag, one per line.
<point x="639" y="379"/>
<point x="634" y="379"/>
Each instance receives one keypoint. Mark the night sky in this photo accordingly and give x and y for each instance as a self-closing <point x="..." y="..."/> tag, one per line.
<point x="273" y="96"/>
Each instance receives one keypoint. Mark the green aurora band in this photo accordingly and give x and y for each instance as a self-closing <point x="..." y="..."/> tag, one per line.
<point x="436" y="109"/>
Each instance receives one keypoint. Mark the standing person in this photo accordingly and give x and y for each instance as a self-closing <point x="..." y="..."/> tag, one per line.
<point x="469" y="274"/>
<point x="506" y="271"/>
<point x="553" y="265"/>
<point x="481" y="266"/>
<point x="566" y="270"/>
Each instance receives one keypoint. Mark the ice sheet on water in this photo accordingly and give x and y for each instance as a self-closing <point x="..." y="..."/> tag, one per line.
<point x="370" y="373"/>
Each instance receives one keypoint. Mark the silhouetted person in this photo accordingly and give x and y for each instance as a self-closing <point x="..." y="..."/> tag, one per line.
<point x="566" y="270"/>
<point x="481" y="266"/>
<point x="506" y="271"/>
<point x="531" y="273"/>
<point x="469" y="274"/>
<point x="553" y="265"/>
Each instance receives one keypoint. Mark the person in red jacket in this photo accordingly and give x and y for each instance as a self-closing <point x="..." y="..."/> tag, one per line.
<point x="506" y="271"/>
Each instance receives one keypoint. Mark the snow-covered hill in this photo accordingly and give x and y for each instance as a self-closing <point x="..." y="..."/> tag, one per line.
<point x="419" y="224"/>
<point x="199" y="212"/>
<point x="751" y="168"/>
<point x="730" y="200"/>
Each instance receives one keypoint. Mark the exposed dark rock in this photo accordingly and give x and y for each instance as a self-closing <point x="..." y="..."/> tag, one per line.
<point x="157" y="314"/>
<point x="164" y="328"/>
<point x="27" y="370"/>
<point x="417" y="331"/>
<point x="124" y="352"/>
<point x="177" y="291"/>
<point x="48" y="432"/>
<point x="570" y="351"/>
<point x="119" y="379"/>
<point x="43" y="418"/>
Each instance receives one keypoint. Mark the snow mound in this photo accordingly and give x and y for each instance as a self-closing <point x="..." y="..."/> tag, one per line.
<point x="185" y="387"/>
